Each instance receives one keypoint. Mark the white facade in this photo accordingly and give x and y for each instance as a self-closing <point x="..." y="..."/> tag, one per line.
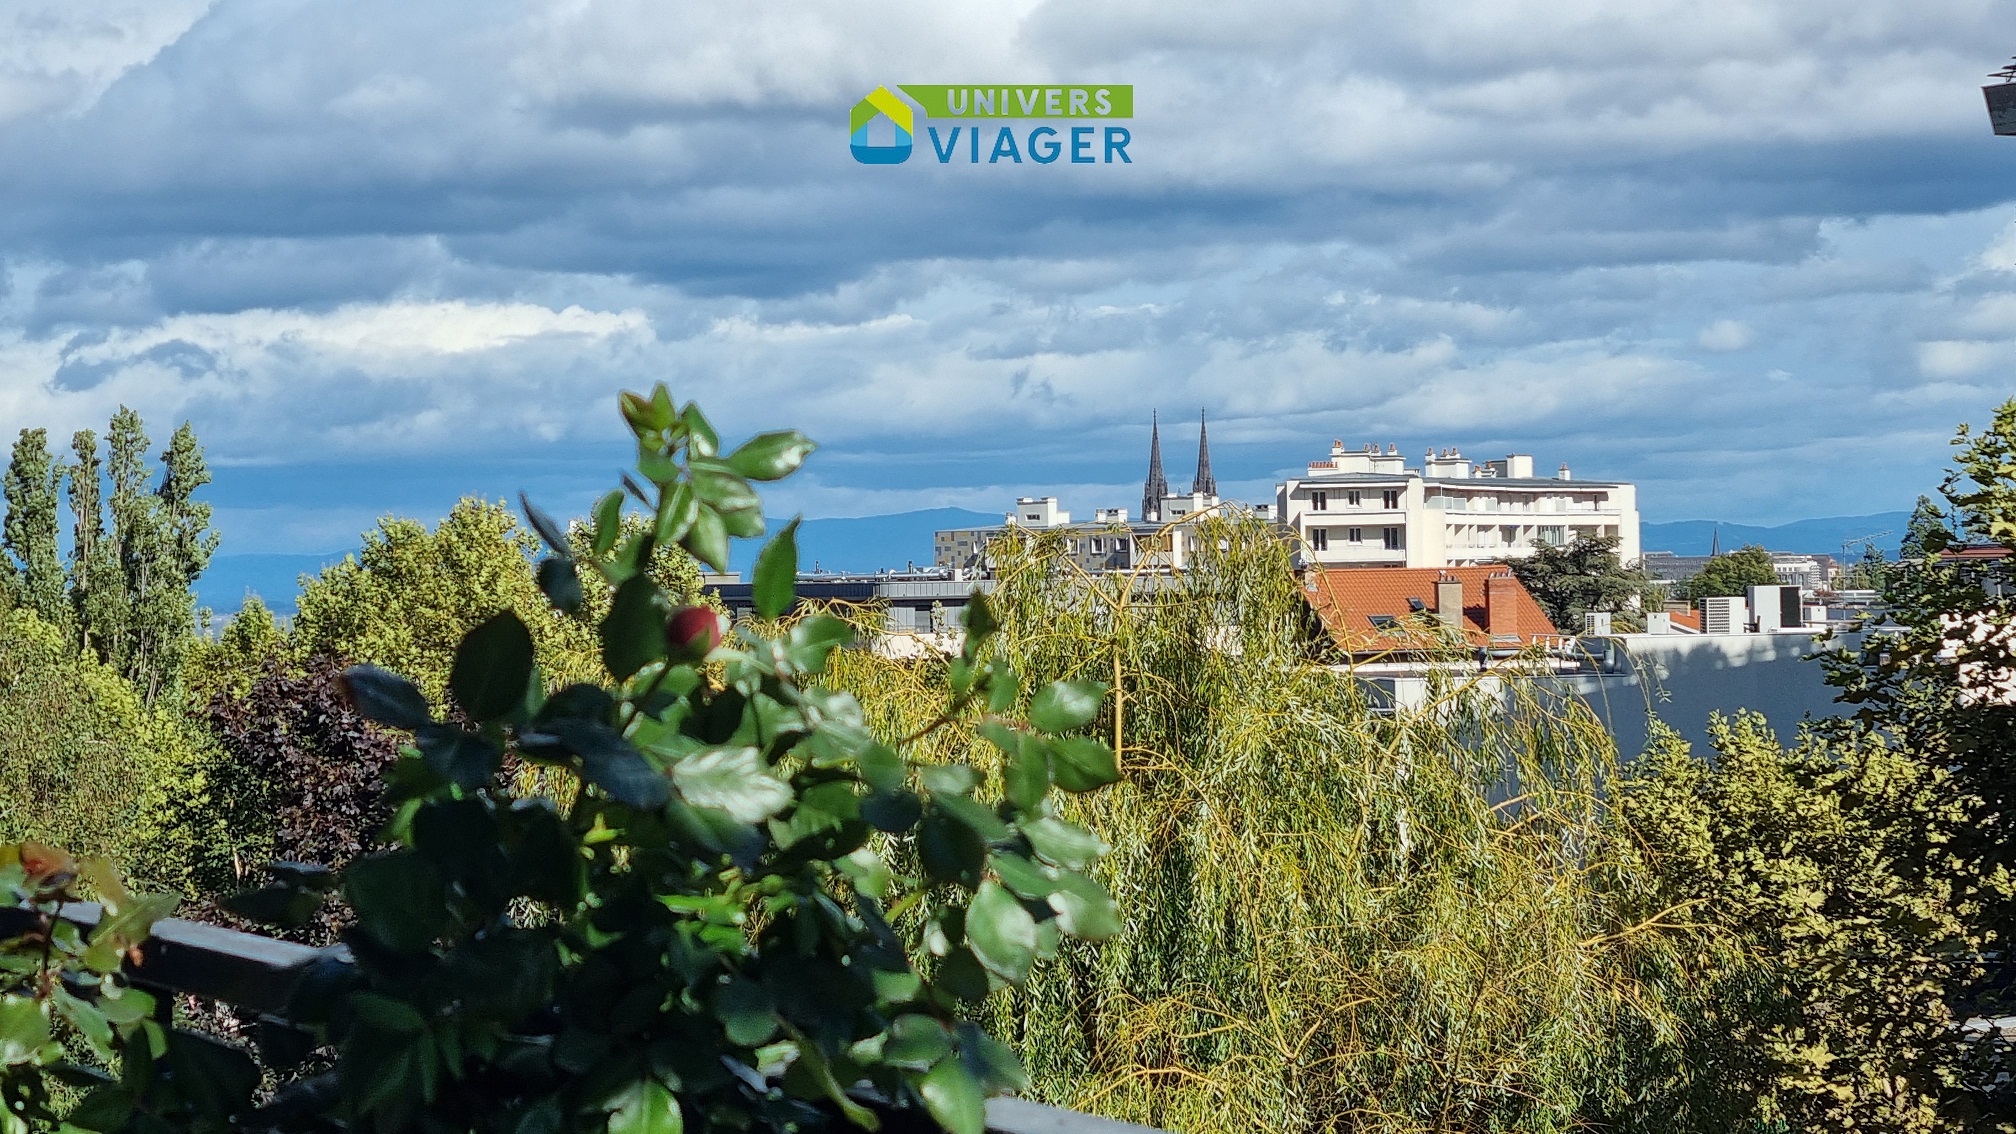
<point x="1366" y="508"/>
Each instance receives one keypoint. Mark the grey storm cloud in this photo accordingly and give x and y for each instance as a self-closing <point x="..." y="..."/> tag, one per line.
<point x="1755" y="254"/>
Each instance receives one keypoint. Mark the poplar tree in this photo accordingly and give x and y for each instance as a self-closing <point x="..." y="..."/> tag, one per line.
<point x="30" y="527"/>
<point x="96" y="598"/>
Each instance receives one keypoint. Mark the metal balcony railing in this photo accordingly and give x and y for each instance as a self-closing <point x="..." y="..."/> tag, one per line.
<point x="257" y="974"/>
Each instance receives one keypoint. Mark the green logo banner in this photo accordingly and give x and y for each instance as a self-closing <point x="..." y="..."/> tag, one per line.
<point x="1050" y="100"/>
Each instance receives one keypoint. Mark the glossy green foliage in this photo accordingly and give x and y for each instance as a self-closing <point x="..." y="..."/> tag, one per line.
<point x="66" y="1011"/>
<point x="699" y="929"/>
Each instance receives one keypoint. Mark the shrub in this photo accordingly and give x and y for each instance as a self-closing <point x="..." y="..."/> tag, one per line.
<point x="700" y="930"/>
<point x="84" y="764"/>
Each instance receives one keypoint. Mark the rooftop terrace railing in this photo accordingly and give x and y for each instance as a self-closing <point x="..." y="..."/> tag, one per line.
<point x="257" y="974"/>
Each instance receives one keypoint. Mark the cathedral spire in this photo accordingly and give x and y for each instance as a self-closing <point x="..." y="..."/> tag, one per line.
<point x="1157" y="485"/>
<point x="1205" y="482"/>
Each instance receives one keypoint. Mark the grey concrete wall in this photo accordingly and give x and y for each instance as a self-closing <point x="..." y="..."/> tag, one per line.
<point x="1684" y="678"/>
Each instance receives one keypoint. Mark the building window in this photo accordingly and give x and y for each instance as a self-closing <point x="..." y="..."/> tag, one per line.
<point x="1319" y="502"/>
<point x="1357" y="535"/>
<point x="1319" y="539"/>
<point x="1392" y="539"/>
<point x="1352" y="498"/>
<point x="1385" y="623"/>
<point x="1550" y="534"/>
<point x="1390" y="498"/>
<point x="1096" y="548"/>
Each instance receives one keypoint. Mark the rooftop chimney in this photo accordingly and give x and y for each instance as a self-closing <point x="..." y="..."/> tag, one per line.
<point x="1449" y="603"/>
<point x="1501" y="605"/>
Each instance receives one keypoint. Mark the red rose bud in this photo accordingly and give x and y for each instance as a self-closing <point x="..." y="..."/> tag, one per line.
<point x="692" y="634"/>
<point x="46" y="865"/>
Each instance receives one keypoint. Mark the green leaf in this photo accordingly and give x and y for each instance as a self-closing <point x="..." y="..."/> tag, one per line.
<point x="612" y="763"/>
<point x="991" y="1061"/>
<point x="954" y="1097"/>
<point x="1064" y="705"/>
<point x="287" y="907"/>
<point x="1028" y="879"/>
<point x="746" y="1013"/>
<point x="722" y="489"/>
<point x="608" y="522"/>
<point x="813" y="639"/>
<point x="950" y="850"/>
<point x="1001" y="932"/>
<point x="916" y="1042"/>
<point x="1084" y="909"/>
<point x="700" y="434"/>
<point x="774" y="582"/>
<point x="891" y="811"/>
<point x="676" y="512"/>
<point x="1081" y="763"/>
<point x="646" y="1107"/>
<point x="1025" y="775"/>
<point x="385" y="697"/>
<point x="980" y="622"/>
<point x="771" y="456"/>
<point x="560" y="583"/>
<point x="633" y="632"/>
<point x="398" y="899"/>
<point x="457" y="755"/>
<point x="493" y="667"/>
<point x="554" y="535"/>
<point x="1066" y="844"/>
<point x="733" y="780"/>
<point x="707" y="539"/>
<point x="385" y="1012"/>
<point x="24" y="1029"/>
<point x="743" y="523"/>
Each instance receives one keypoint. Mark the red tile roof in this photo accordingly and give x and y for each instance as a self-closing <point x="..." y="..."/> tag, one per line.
<point x="1347" y="598"/>
<point x="1691" y="619"/>
<point x="1975" y="551"/>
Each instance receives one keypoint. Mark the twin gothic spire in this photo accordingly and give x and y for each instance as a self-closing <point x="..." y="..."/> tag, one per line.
<point x="1157" y="485"/>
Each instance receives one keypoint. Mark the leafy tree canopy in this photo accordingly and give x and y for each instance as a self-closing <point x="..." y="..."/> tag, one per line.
<point x="1732" y="573"/>
<point x="1579" y="577"/>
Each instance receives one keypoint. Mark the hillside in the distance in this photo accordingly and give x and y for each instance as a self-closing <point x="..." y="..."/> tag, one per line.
<point x="1812" y="537"/>
<point x="871" y="543"/>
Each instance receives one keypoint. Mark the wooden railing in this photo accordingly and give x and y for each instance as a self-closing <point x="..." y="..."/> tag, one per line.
<point x="257" y="974"/>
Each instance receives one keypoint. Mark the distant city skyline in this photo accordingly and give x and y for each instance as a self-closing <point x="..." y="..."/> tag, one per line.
<point x="1757" y="258"/>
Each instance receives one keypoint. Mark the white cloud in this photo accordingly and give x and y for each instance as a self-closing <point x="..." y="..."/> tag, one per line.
<point x="1725" y="334"/>
<point x="364" y="230"/>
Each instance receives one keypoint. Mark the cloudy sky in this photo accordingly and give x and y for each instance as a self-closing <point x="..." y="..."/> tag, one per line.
<point x="1757" y="256"/>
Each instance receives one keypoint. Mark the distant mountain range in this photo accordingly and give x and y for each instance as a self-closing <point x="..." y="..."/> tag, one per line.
<point x="1810" y="537"/>
<point x="863" y="543"/>
<point x="869" y="543"/>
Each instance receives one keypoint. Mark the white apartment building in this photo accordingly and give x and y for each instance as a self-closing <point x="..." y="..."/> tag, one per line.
<point x="1367" y="508"/>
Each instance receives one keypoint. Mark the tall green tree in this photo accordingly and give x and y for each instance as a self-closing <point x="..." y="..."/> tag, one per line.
<point x="1580" y="577"/>
<point x="1733" y="573"/>
<point x="1941" y="682"/>
<point x="31" y="486"/>
<point x="95" y="587"/>
<point x="1927" y="533"/>
<point x="133" y="581"/>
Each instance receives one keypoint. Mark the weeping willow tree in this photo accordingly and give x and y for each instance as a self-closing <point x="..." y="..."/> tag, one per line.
<point x="1337" y="920"/>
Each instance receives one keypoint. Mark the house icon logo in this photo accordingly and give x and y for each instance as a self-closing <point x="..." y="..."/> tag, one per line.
<point x="880" y="103"/>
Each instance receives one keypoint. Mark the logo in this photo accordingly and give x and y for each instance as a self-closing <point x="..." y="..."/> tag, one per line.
<point x="1069" y="103"/>
<point x="880" y="103"/>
